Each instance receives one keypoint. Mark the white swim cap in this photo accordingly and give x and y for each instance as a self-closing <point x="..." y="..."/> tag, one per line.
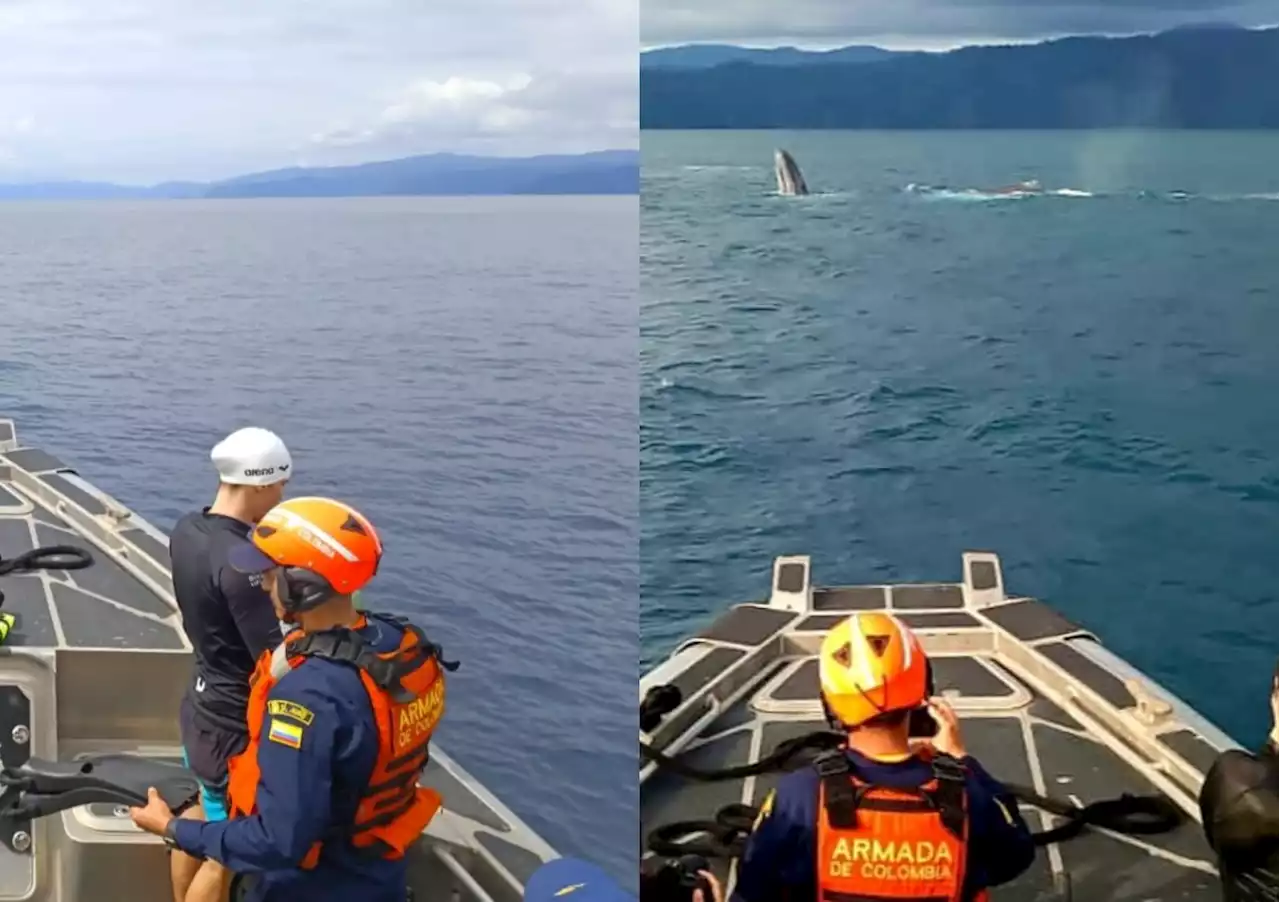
<point x="252" y="456"/>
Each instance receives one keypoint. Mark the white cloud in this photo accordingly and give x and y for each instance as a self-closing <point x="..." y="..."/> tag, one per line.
<point x="466" y="108"/>
<point x="518" y="113"/>
<point x="150" y="90"/>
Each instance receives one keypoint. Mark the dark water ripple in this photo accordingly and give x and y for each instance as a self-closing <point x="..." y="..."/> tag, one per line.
<point x="463" y="371"/>
<point x="1085" y="385"/>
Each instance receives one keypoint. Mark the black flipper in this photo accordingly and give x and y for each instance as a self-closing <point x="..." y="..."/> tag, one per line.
<point x="39" y="788"/>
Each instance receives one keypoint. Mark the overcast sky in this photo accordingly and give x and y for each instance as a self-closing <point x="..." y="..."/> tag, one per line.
<point x="924" y="24"/>
<point x="153" y="90"/>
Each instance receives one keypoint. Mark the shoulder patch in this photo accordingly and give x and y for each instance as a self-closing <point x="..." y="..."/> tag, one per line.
<point x="766" y="809"/>
<point x="289" y="734"/>
<point x="280" y="708"/>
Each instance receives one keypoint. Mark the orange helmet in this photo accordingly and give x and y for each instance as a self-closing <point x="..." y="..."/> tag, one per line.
<point x="871" y="664"/>
<point x="320" y="536"/>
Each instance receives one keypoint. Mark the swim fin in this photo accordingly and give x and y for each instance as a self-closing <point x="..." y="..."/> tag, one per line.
<point x="39" y="788"/>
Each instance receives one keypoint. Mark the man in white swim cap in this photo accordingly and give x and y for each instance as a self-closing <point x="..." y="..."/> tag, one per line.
<point x="229" y="619"/>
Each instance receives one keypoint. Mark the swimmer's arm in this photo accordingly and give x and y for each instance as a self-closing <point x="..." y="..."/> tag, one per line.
<point x="251" y="609"/>
<point x="778" y="859"/>
<point x="1001" y="839"/>
<point x="292" y="803"/>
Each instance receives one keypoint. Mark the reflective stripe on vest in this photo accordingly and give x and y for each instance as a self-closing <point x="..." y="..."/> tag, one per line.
<point x="877" y="844"/>
<point x="394" y="810"/>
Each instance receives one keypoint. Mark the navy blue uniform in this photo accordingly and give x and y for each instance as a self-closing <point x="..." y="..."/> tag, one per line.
<point x="313" y="774"/>
<point x="780" y="860"/>
<point x="229" y="620"/>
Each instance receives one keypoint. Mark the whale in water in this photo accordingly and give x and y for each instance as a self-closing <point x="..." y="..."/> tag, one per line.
<point x="790" y="179"/>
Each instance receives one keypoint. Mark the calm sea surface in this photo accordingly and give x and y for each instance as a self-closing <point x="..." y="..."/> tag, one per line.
<point x="463" y="371"/>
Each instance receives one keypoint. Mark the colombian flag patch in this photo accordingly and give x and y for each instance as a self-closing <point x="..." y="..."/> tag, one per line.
<point x="285" y="733"/>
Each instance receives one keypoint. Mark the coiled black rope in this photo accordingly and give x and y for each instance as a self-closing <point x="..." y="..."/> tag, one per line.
<point x="725" y="836"/>
<point x="47" y="557"/>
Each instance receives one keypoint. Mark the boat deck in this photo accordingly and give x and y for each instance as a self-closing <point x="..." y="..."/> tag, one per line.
<point x="1042" y="704"/>
<point x="97" y="662"/>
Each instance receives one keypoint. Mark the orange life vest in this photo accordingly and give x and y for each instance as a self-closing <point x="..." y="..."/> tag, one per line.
<point x="877" y="844"/>
<point x="406" y="689"/>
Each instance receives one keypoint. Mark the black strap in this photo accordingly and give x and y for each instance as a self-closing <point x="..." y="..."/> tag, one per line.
<point x="346" y="646"/>
<point x="950" y="796"/>
<point x="839" y="796"/>
<point x="842" y="798"/>
<point x="435" y="649"/>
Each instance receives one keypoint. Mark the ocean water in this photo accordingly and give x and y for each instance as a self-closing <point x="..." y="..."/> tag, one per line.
<point x="902" y="367"/>
<point x="461" y="370"/>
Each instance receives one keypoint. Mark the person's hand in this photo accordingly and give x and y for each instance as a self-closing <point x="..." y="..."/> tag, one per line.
<point x="155" y="816"/>
<point x="947" y="740"/>
<point x="717" y="891"/>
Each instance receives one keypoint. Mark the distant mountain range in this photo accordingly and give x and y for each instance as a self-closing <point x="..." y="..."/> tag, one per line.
<point x="705" y="56"/>
<point x="604" y="172"/>
<point x="1204" y="77"/>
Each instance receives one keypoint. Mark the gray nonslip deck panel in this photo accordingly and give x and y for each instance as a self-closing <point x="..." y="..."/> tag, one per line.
<point x="100" y="606"/>
<point x="925" y="620"/>
<point x="33" y="460"/>
<point x="90" y="504"/>
<point x="746" y="625"/>
<point x="853" y="599"/>
<point x="1101" y="681"/>
<point x="917" y="597"/>
<point x="1192" y="748"/>
<point x="1030" y="620"/>
<point x="149" y="545"/>
<point x="704" y="671"/>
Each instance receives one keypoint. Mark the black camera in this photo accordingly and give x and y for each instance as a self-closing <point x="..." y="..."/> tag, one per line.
<point x="922" y="724"/>
<point x="674" y="879"/>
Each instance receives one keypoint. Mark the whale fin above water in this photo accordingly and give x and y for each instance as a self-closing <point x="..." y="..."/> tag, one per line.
<point x="790" y="179"/>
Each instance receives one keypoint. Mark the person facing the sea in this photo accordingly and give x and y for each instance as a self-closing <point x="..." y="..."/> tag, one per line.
<point x="882" y="818"/>
<point x="229" y="621"/>
<point x="325" y="799"/>
<point x="1238" y="808"/>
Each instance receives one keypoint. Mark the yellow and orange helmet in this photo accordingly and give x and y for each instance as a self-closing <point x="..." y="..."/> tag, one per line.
<point x="871" y="664"/>
<point x="319" y="535"/>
